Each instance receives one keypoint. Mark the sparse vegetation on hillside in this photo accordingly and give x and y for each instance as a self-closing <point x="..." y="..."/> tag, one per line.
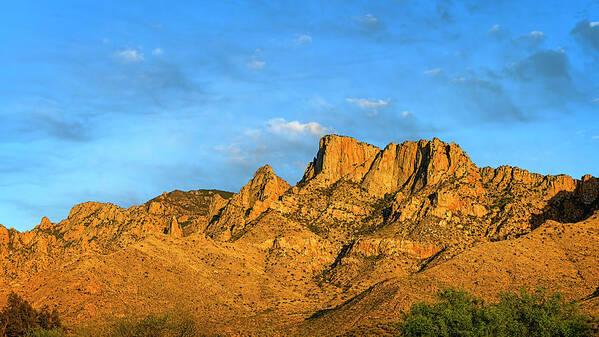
<point x="151" y="325"/>
<point x="18" y="318"/>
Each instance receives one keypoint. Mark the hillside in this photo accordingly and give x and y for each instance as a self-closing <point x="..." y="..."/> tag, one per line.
<point x="366" y="232"/>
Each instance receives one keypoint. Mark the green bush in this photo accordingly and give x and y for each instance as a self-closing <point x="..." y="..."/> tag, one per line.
<point x="521" y="314"/>
<point x="538" y="314"/>
<point x="456" y="314"/>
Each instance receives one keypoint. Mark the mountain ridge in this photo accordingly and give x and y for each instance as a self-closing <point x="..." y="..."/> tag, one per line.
<point x="359" y="217"/>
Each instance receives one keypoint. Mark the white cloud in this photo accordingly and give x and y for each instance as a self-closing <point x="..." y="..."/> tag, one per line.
<point x="255" y="64"/>
<point x="433" y="72"/>
<point x="495" y="28"/>
<point x="406" y="114"/>
<point x="295" y="128"/>
<point x="302" y="39"/>
<point x="593" y="24"/>
<point x="130" y="55"/>
<point x="368" y="104"/>
<point x="158" y="51"/>
<point x="536" y="33"/>
<point x="595" y="137"/>
<point x="368" y="19"/>
<point x="596" y="100"/>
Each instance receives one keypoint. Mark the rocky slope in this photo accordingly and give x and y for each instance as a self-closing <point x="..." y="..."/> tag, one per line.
<point x="103" y="228"/>
<point x="557" y="256"/>
<point x="362" y="224"/>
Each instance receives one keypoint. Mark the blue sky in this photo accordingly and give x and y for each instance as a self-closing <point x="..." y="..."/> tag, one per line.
<point x="118" y="101"/>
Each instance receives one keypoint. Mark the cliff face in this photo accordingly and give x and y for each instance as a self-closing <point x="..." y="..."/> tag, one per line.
<point x="360" y="215"/>
<point x="340" y="158"/>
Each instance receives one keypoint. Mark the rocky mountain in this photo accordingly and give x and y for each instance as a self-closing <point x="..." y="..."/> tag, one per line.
<point x="364" y="233"/>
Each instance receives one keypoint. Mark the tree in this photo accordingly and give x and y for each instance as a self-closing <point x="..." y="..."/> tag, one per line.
<point x="18" y="318"/>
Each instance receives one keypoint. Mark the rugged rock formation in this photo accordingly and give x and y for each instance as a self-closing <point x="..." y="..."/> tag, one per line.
<point x="360" y="219"/>
<point x="94" y="227"/>
<point x="427" y="191"/>
<point x="340" y="158"/>
<point x="174" y="229"/>
<point x="262" y="191"/>
<point x="4" y="240"/>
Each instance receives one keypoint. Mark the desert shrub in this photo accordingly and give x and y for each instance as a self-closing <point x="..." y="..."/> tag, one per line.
<point x="18" y="318"/>
<point x="516" y="314"/>
<point x="152" y="325"/>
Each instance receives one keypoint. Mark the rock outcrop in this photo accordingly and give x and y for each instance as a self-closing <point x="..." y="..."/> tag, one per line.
<point x="412" y="166"/>
<point x="4" y="241"/>
<point x="174" y="229"/>
<point x="259" y="195"/>
<point x="340" y="158"/>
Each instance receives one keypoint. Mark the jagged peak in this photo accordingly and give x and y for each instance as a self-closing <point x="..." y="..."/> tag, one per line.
<point x="260" y="193"/>
<point x="45" y="223"/>
<point x="263" y="185"/>
<point x="264" y="170"/>
<point x="4" y="237"/>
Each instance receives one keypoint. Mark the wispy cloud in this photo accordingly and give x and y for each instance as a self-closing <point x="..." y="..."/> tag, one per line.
<point x="285" y="145"/>
<point x="368" y="19"/>
<point x="588" y="33"/>
<point x="369" y="104"/>
<point x="157" y="51"/>
<point x="303" y="39"/>
<point x="433" y="72"/>
<point x="493" y="29"/>
<point x="295" y="128"/>
<point x="498" y="32"/>
<point x="370" y="24"/>
<point x="130" y="55"/>
<point x="536" y="33"/>
<point x="546" y="63"/>
<point x="255" y="64"/>
<point x="529" y="41"/>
